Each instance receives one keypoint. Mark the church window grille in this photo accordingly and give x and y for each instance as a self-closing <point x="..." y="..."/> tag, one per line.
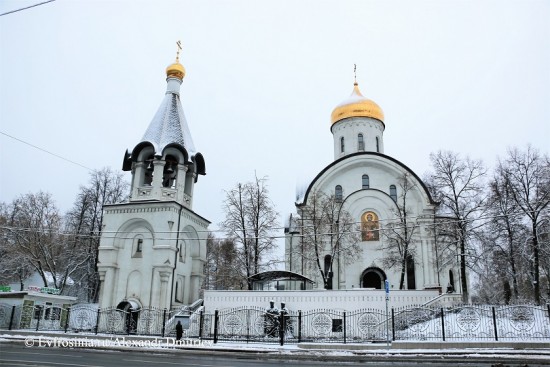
<point x="338" y="193"/>
<point x="377" y="145"/>
<point x="393" y="193"/>
<point x="139" y="246"/>
<point x="365" y="182"/>
<point x="370" y="227"/>
<point x="342" y="146"/>
<point x="360" y="142"/>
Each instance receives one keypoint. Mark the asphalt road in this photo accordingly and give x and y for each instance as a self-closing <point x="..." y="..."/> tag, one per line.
<point x="15" y="354"/>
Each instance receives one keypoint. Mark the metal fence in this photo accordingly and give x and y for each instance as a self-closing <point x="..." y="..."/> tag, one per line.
<point x="256" y="324"/>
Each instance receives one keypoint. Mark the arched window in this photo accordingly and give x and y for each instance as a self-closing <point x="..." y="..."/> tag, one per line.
<point x="365" y="181"/>
<point x="137" y="247"/>
<point x="411" y="279"/>
<point x="170" y="172"/>
<point x="148" y="172"/>
<point x="377" y="145"/>
<point x="328" y="272"/>
<point x="342" y="145"/>
<point x="451" y="285"/>
<point x="370" y="227"/>
<point x="393" y="193"/>
<point x="360" y="142"/>
<point x="338" y="193"/>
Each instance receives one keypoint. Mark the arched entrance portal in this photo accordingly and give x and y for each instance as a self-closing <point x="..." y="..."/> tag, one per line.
<point x="373" y="278"/>
<point x="130" y="315"/>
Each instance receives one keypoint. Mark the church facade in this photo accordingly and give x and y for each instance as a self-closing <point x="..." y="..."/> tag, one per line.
<point x="389" y="209"/>
<point x="153" y="247"/>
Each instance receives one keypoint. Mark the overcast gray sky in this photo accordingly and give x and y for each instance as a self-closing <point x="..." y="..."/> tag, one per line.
<point x="83" y="79"/>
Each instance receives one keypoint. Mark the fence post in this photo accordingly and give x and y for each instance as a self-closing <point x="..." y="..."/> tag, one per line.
<point x="442" y="323"/>
<point x="163" y="322"/>
<point x="39" y="317"/>
<point x="300" y="325"/>
<point x="68" y="318"/>
<point x="344" y="327"/>
<point x="97" y="321"/>
<point x="282" y="329"/>
<point x="201" y="323"/>
<point x="247" y="325"/>
<point x="392" y="324"/>
<point x="11" y="317"/>
<point x="495" y="323"/>
<point x="216" y="316"/>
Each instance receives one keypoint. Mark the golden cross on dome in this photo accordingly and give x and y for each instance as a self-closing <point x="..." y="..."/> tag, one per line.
<point x="178" y="52"/>
<point x="354" y="73"/>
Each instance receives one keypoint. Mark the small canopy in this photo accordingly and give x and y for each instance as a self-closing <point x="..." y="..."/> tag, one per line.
<point x="280" y="280"/>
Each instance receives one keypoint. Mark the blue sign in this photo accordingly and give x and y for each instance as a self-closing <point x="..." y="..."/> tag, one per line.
<point x="387" y="286"/>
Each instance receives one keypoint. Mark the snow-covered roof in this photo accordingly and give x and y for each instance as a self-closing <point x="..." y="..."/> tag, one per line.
<point x="49" y="278"/>
<point x="169" y="125"/>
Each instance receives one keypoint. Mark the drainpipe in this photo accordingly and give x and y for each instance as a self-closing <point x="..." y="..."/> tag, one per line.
<point x="175" y="258"/>
<point x="436" y="254"/>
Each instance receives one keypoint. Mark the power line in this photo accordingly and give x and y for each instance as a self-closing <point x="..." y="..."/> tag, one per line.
<point x="44" y="150"/>
<point x="159" y="235"/>
<point x="28" y="7"/>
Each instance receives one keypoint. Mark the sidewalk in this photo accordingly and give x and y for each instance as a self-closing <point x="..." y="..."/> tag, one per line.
<point x="532" y="353"/>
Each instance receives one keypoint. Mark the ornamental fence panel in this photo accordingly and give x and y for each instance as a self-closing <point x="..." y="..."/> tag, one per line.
<point x="368" y="325"/>
<point x="250" y="324"/>
<point x="522" y="322"/>
<point x="257" y="324"/>
<point x="416" y="323"/>
<point x="83" y="318"/>
<point x="145" y="321"/>
<point x="45" y="317"/>
<point x="323" y="326"/>
<point x="469" y="323"/>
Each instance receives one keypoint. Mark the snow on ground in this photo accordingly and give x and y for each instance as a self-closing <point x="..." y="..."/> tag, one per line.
<point x="123" y="342"/>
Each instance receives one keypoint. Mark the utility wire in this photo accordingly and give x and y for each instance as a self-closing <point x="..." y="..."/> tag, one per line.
<point x="28" y="7"/>
<point x="159" y="234"/>
<point x="44" y="150"/>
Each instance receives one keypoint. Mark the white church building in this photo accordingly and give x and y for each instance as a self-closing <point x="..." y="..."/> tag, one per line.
<point x="368" y="185"/>
<point x="153" y="247"/>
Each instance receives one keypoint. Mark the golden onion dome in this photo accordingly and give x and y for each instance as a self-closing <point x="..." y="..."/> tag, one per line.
<point x="356" y="106"/>
<point x="176" y="70"/>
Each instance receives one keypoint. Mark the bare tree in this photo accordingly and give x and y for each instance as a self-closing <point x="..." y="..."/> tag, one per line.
<point x="250" y="221"/>
<point x="527" y="175"/>
<point x="457" y="183"/>
<point x="33" y="235"/>
<point x="328" y="233"/>
<point x="503" y="236"/>
<point x="85" y="222"/>
<point x="12" y="268"/>
<point x="220" y="272"/>
<point x="544" y="243"/>
<point x="400" y="246"/>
